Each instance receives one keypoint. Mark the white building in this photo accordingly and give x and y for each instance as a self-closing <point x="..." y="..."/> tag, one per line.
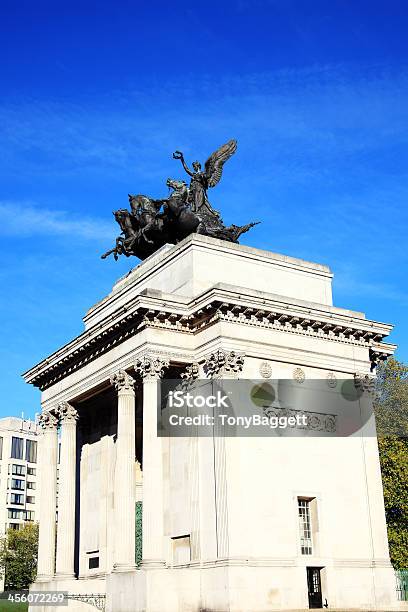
<point x="229" y="524"/>
<point x="19" y="476"/>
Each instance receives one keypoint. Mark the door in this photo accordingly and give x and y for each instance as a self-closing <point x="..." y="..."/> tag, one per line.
<point x="314" y="587"/>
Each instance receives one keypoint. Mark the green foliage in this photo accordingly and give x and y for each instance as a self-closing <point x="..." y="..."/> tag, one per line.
<point x="18" y="556"/>
<point x="8" y="606"/>
<point x="391" y="408"/>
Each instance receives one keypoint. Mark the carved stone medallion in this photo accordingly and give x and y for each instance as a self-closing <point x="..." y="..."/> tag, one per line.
<point x="331" y="380"/>
<point x="265" y="369"/>
<point x="299" y="375"/>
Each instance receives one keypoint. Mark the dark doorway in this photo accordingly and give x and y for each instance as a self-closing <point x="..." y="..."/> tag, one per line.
<point x="314" y="587"/>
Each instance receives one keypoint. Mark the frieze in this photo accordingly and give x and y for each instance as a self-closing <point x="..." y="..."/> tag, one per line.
<point x="315" y="421"/>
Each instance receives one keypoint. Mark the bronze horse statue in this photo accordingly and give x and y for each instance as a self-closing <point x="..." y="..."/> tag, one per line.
<point x="152" y="223"/>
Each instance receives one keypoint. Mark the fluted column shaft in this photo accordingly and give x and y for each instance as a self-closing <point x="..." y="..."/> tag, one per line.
<point x="48" y="471"/>
<point x="124" y="489"/>
<point x="67" y="489"/>
<point x="151" y="370"/>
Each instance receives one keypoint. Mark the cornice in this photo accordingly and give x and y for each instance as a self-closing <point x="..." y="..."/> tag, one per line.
<point x="152" y="309"/>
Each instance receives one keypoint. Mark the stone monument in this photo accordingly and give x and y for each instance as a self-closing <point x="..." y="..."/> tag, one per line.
<point x="237" y="524"/>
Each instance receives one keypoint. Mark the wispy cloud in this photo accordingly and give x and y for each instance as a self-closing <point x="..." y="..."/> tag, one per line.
<point x="27" y="219"/>
<point x="300" y="114"/>
<point x="347" y="284"/>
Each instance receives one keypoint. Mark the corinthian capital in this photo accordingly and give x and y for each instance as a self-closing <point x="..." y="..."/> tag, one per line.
<point x="47" y="420"/>
<point x="151" y="367"/>
<point x="223" y="363"/>
<point x="191" y="371"/>
<point x="66" y="412"/>
<point x="122" y="381"/>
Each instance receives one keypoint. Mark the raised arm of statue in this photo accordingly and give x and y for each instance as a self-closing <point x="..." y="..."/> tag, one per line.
<point x="179" y="155"/>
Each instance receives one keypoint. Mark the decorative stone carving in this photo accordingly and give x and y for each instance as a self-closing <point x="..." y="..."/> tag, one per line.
<point x="122" y="381"/>
<point x="47" y="420"/>
<point x="316" y="421"/>
<point x="331" y="380"/>
<point x="191" y="372"/>
<point x="299" y="375"/>
<point x="223" y="362"/>
<point x="66" y="412"/>
<point x="365" y="383"/>
<point x="151" y="367"/>
<point x="265" y="369"/>
<point x="97" y="600"/>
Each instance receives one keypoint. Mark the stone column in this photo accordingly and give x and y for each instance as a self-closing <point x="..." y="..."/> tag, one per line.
<point x="224" y="365"/>
<point x="66" y="494"/>
<point x="151" y="369"/>
<point x="124" y="486"/>
<point x="48" y="466"/>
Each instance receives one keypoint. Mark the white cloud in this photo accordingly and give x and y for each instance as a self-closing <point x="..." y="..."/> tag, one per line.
<point x="27" y="219"/>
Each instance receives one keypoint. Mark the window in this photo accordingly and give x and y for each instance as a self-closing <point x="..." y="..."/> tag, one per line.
<point x="29" y="515"/>
<point x="93" y="562"/>
<point x="30" y="485"/>
<point x="18" y="470"/>
<point x="1" y="447"/>
<point x="17" y="484"/>
<point x="17" y="446"/>
<point x="31" y="471"/>
<point x="30" y="499"/>
<point x="305" y="527"/>
<point x="14" y="514"/>
<point x="16" y="498"/>
<point x="31" y="451"/>
<point x="15" y="526"/>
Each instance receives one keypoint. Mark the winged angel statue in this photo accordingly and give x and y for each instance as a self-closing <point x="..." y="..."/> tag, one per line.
<point x="153" y="223"/>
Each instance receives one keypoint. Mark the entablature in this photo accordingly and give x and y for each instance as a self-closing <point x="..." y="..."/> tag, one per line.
<point x="221" y="303"/>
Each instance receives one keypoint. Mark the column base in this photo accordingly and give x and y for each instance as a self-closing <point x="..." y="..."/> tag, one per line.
<point x="153" y="564"/>
<point x="64" y="576"/>
<point x="44" y="577"/>
<point x="124" y="567"/>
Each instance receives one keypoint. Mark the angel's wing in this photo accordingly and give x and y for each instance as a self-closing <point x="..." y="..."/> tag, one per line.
<point x="216" y="161"/>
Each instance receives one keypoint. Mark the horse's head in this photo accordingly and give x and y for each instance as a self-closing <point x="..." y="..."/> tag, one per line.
<point x="132" y="199"/>
<point x="120" y="214"/>
<point x="179" y="187"/>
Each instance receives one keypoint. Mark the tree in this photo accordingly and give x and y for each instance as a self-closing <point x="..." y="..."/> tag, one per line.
<point x="391" y="409"/>
<point x="18" y="556"/>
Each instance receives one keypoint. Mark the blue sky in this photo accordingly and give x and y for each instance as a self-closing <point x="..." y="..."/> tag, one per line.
<point x="95" y="96"/>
